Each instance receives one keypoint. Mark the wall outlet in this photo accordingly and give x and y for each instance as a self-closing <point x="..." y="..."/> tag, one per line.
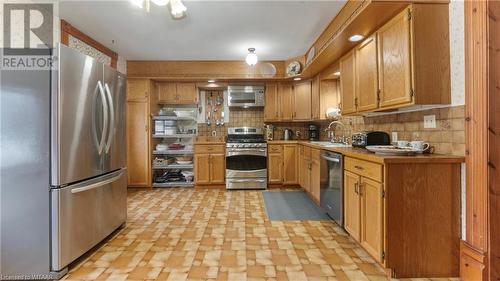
<point x="429" y="121"/>
<point x="394" y="136"/>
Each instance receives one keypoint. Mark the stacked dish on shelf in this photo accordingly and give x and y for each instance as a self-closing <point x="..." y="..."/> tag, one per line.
<point x="173" y="154"/>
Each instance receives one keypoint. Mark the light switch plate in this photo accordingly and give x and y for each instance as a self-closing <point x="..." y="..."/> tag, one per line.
<point x="429" y="121"/>
<point x="394" y="136"/>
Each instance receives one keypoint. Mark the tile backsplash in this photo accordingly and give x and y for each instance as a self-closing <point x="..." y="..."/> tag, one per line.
<point x="447" y="138"/>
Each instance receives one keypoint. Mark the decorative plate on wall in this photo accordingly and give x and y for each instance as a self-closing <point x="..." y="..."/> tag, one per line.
<point x="293" y="68"/>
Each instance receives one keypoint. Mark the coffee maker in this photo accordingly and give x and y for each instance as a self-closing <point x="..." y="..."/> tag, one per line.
<point x="313" y="132"/>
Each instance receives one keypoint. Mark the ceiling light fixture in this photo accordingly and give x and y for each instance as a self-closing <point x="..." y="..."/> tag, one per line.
<point x="251" y="58"/>
<point x="356" y="38"/>
<point x="177" y="8"/>
<point x="297" y="78"/>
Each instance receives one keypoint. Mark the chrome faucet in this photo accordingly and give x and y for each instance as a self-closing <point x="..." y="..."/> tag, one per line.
<point x="331" y="134"/>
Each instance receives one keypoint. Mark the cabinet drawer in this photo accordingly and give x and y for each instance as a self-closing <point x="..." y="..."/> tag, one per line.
<point x="208" y="148"/>
<point x="275" y="148"/>
<point x="364" y="168"/>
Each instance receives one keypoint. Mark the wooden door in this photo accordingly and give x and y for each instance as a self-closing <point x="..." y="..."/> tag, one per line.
<point x="348" y="83"/>
<point x="394" y="60"/>
<point x="285" y="91"/>
<point x="371" y="217"/>
<point x="315" y="174"/>
<point x="202" y="168"/>
<point x="302" y="101"/>
<point x="315" y="99"/>
<point x="271" y="108"/>
<point x="217" y="168"/>
<point x="138" y="159"/>
<point x="167" y="93"/>
<point x="275" y="168"/>
<point x="138" y="90"/>
<point x="366" y="75"/>
<point x="186" y="93"/>
<point x="290" y="165"/>
<point x="351" y="205"/>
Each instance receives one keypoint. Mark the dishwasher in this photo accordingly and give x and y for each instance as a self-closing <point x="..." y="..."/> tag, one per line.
<point x="332" y="185"/>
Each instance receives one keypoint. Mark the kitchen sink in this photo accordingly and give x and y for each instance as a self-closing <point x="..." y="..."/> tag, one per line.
<point x="330" y="144"/>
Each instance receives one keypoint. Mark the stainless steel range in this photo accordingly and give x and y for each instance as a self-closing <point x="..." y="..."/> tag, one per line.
<point x="246" y="159"/>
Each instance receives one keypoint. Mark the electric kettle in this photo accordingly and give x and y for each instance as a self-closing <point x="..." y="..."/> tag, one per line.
<point x="287" y="134"/>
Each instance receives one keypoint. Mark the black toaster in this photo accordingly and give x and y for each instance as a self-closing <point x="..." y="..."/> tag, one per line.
<point x="364" y="139"/>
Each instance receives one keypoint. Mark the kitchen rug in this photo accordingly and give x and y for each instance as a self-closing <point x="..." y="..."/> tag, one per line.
<point x="292" y="205"/>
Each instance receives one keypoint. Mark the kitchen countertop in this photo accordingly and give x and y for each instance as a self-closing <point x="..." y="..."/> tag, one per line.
<point x="364" y="154"/>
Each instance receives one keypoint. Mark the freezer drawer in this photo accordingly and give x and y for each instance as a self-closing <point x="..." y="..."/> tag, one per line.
<point x="84" y="214"/>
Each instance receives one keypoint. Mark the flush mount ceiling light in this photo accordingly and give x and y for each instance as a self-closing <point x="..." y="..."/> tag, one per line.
<point x="211" y="81"/>
<point x="177" y="8"/>
<point x="356" y="38"/>
<point x="251" y="58"/>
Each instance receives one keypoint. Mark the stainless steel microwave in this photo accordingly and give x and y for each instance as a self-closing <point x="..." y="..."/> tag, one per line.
<point x="246" y="96"/>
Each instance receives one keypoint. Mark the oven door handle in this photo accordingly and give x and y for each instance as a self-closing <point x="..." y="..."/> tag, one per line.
<point x="247" y="180"/>
<point x="261" y="152"/>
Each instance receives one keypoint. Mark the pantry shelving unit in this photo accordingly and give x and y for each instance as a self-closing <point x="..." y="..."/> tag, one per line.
<point x="181" y="136"/>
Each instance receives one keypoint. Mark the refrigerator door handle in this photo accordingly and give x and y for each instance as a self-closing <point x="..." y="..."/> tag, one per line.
<point x="112" y="117"/>
<point x="97" y="184"/>
<point x="105" y="116"/>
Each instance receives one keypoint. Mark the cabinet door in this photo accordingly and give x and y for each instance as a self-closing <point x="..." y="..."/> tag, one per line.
<point x="271" y="108"/>
<point x="315" y="174"/>
<point x="275" y="168"/>
<point x="285" y="91"/>
<point x="290" y="165"/>
<point x="394" y="59"/>
<point x="302" y="101"/>
<point x="315" y="99"/>
<point x="138" y="162"/>
<point x="348" y="83"/>
<point x="217" y="168"/>
<point x="351" y="205"/>
<point x="186" y="93"/>
<point x="329" y="96"/>
<point x="371" y="217"/>
<point x="167" y="93"/>
<point x="138" y="90"/>
<point x="366" y="75"/>
<point x="202" y="168"/>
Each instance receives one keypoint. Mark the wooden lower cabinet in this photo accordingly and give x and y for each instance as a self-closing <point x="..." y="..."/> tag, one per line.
<point x="315" y="184"/>
<point x="275" y="168"/>
<point x="138" y="159"/>
<point x="209" y="164"/>
<point x="352" y="204"/>
<point x="371" y="234"/>
<point x="406" y="215"/>
<point x="309" y="171"/>
<point x="305" y="167"/>
<point x="290" y="166"/>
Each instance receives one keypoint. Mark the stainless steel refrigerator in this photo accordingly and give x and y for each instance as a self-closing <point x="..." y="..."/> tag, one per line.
<point x="63" y="163"/>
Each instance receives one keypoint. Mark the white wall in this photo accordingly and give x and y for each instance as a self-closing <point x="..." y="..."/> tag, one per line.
<point x="457" y="53"/>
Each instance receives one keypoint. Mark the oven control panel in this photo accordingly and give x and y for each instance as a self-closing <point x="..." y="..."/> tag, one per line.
<point x="246" y="145"/>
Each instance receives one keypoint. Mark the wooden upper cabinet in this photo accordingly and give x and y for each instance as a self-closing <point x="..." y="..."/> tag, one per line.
<point x="285" y="91"/>
<point x="177" y="93"/>
<point x="272" y="106"/>
<point x="352" y="203"/>
<point x="348" y="83"/>
<point x="371" y="217"/>
<point x="366" y="75"/>
<point x="316" y="99"/>
<point x="186" y="93"/>
<point x="167" y="93"/>
<point x="302" y="101"/>
<point x="290" y="165"/>
<point x="138" y="162"/>
<point x="394" y="56"/>
<point x="138" y="89"/>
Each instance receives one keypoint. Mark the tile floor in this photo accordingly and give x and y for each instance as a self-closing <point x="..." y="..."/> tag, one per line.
<point x="188" y="234"/>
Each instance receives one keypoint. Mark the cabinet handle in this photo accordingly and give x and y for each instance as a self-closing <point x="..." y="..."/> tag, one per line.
<point x="356" y="186"/>
<point x="358" y="167"/>
<point x="360" y="189"/>
<point x="210" y="148"/>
